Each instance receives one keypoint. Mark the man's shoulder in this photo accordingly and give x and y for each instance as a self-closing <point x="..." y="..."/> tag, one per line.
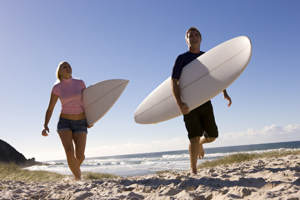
<point x="182" y="56"/>
<point x="185" y="54"/>
<point x="188" y="56"/>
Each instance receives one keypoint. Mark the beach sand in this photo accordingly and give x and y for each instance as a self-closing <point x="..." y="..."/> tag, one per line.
<point x="267" y="178"/>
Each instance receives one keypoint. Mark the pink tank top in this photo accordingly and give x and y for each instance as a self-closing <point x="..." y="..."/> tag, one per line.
<point x="69" y="92"/>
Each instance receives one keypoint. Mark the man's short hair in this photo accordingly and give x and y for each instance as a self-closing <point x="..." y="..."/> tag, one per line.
<point x="192" y="29"/>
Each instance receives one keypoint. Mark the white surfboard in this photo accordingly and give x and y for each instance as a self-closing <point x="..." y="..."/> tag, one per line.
<point x="100" y="97"/>
<point x="201" y="80"/>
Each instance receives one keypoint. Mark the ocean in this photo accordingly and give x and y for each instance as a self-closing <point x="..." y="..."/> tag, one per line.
<point x="150" y="163"/>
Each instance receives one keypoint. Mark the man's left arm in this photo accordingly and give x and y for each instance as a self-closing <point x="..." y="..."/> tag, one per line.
<point x="227" y="97"/>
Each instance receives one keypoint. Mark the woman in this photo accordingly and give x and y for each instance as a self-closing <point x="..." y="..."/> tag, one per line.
<point x="72" y="125"/>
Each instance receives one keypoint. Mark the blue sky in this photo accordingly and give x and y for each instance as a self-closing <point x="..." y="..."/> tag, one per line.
<point x="139" y="41"/>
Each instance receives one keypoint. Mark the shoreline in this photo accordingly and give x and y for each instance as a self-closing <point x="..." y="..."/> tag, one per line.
<point x="264" y="178"/>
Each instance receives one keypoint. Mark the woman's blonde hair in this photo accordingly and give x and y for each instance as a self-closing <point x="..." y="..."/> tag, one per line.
<point x="58" y="68"/>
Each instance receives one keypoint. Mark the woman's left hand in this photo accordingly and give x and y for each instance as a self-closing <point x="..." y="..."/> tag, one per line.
<point x="44" y="132"/>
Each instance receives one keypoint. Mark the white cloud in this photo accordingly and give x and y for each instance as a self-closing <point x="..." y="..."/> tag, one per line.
<point x="268" y="134"/>
<point x="291" y="129"/>
<point x="267" y="131"/>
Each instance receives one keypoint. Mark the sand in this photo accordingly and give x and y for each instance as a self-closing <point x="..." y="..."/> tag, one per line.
<point x="268" y="178"/>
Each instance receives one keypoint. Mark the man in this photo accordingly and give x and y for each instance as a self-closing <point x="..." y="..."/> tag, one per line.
<point x="200" y="122"/>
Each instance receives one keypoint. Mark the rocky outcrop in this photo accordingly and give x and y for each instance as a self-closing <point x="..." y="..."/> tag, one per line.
<point x="9" y="154"/>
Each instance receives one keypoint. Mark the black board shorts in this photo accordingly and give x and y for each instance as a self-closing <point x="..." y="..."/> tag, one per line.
<point x="201" y="121"/>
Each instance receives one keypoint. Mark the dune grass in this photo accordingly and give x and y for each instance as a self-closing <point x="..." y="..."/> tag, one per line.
<point x="162" y="172"/>
<point x="241" y="157"/>
<point x="93" y="176"/>
<point x="13" y="172"/>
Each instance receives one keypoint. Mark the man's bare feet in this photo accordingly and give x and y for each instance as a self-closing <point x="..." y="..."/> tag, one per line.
<point x="201" y="152"/>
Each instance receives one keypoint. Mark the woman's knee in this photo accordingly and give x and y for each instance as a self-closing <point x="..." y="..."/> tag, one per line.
<point x="80" y="156"/>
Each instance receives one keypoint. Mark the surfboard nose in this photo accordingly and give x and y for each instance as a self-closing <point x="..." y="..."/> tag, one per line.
<point x="100" y="97"/>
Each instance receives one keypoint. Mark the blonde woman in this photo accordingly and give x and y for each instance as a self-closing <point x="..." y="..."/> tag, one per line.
<point x="72" y="125"/>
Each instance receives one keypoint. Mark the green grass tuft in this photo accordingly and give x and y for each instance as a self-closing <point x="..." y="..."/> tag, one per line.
<point x="93" y="176"/>
<point x="164" y="171"/>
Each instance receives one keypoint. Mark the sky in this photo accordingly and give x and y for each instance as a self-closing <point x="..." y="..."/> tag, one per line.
<point x="139" y="41"/>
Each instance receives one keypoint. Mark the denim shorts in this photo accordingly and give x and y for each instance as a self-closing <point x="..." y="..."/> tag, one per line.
<point x="76" y="126"/>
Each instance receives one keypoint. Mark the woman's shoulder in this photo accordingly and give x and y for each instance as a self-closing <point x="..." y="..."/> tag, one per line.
<point x="79" y="82"/>
<point x="78" y="79"/>
<point x="57" y="84"/>
<point x="56" y="88"/>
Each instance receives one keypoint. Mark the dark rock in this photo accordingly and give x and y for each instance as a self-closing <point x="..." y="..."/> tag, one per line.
<point x="9" y="154"/>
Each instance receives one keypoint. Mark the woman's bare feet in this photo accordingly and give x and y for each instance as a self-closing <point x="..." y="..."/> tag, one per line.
<point x="194" y="171"/>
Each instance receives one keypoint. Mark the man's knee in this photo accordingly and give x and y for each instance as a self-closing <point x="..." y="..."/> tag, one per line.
<point x="211" y="139"/>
